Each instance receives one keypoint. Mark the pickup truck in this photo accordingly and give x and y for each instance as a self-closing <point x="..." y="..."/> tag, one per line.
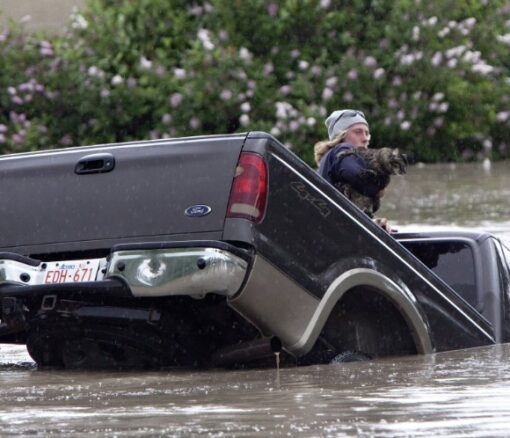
<point x="222" y="251"/>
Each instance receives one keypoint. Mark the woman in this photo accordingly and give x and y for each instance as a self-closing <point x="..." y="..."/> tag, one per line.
<point x="347" y="129"/>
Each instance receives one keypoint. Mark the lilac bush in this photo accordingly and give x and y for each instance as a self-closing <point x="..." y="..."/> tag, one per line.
<point x="432" y="77"/>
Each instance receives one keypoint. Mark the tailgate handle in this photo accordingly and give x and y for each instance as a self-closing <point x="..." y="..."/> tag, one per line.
<point x="95" y="163"/>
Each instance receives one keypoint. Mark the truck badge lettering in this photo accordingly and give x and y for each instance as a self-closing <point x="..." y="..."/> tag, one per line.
<point x="320" y="204"/>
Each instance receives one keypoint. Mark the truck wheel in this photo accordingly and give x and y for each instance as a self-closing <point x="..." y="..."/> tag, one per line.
<point x="350" y="356"/>
<point x="44" y="350"/>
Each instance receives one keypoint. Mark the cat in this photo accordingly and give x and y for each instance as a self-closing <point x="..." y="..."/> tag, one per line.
<point x="381" y="164"/>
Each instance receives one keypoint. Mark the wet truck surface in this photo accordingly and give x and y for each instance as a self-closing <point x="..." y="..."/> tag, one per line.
<point x="219" y="251"/>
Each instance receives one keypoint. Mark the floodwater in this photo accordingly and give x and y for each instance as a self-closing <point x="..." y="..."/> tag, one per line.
<point x="464" y="393"/>
<point x="466" y="195"/>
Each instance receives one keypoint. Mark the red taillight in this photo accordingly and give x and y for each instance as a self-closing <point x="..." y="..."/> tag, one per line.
<point x="249" y="189"/>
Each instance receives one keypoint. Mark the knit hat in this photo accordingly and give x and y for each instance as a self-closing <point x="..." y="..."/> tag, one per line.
<point x="340" y="120"/>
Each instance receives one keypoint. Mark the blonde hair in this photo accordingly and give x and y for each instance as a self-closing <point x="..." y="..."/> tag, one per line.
<point x="321" y="148"/>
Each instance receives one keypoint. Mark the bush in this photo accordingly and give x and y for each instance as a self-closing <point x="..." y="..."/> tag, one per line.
<point x="431" y="76"/>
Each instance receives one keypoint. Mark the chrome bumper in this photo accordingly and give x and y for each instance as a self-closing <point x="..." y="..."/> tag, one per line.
<point x="179" y="271"/>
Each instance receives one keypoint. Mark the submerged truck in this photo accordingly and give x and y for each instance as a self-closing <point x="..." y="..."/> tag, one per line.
<point x="219" y="251"/>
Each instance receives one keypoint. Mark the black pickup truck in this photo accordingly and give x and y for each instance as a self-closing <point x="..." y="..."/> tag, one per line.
<point x="219" y="251"/>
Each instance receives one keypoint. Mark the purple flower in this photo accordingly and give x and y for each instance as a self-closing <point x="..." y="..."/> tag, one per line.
<point x="166" y="118"/>
<point x="438" y="122"/>
<point x="370" y="61"/>
<point x="17" y="138"/>
<point x="66" y="140"/>
<point x="176" y="99"/>
<point x="294" y="125"/>
<point x="275" y="131"/>
<point x="405" y="125"/>
<point x="285" y="89"/>
<point x="348" y="97"/>
<point x="378" y="73"/>
<point x="303" y="65"/>
<point x="316" y="70"/>
<point x="327" y="93"/>
<point x="504" y="38"/>
<point x="225" y="95"/>
<point x="482" y="68"/>
<point x="180" y="73"/>
<point x="352" y="74"/>
<point x="195" y="10"/>
<point x="331" y="82"/>
<point x="443" y="107"/>
<point x="245" y="54"/>
<point x="194" y="123"/>
<point x="436" y="59"/>
<point x="46" y="49"/>
<point x="145" y="64"/>
<point x="244" y="120"/>
<point x="117" y="80"/>
<point x="272" y="9"/>
<point x="205" y="38"/>
<point x="502" y="116"/>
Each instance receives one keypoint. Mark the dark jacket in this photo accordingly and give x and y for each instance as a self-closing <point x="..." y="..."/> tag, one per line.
<point x="346" y="170"/>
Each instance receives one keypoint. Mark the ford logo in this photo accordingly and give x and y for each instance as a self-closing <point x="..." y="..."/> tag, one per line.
<point x="197" y="210"/>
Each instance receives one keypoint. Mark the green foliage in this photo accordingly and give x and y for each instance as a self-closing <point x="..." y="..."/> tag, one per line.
<point x="433" y="77"/>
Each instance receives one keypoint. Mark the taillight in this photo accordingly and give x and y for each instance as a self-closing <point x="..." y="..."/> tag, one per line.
<point x="249" y="189"/>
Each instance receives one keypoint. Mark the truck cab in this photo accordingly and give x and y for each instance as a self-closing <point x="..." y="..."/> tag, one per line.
<point x="473" y="263"/>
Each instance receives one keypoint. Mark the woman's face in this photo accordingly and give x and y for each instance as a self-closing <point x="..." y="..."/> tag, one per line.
<point x="358" y="135"/>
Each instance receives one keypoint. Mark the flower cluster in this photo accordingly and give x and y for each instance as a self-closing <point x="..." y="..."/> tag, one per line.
<point x="432" y="80"/>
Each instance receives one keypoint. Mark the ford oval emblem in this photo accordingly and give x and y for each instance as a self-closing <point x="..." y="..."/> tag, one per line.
<point x="197" y="210"/>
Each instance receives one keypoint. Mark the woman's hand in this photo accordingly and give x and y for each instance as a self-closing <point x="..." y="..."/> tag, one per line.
<point x="383" y="223"/>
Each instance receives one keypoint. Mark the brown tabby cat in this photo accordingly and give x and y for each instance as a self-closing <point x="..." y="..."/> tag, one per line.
<point x="381" y="164"/>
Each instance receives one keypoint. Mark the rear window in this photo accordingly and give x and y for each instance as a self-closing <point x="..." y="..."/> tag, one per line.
<point x="453" y="262"/>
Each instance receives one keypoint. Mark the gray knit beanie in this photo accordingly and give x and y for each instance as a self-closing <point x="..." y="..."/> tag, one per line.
<point x="340" y="120"/>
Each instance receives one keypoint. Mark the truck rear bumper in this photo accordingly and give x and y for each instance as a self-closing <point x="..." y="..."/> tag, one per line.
<point x="193" y="268"/>
<point x="194" y="271"/>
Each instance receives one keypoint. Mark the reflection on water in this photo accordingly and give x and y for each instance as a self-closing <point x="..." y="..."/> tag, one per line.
<point x="463" y="393"/>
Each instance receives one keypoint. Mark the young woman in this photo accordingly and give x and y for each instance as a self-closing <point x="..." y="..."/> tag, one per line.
<point x="347" y="129"/>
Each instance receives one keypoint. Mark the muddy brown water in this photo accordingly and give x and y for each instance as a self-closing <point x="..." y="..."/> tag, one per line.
<point x="464" y="393"/>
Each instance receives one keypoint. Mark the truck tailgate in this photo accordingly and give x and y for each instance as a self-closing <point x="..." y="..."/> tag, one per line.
<point x="145" y="194"/>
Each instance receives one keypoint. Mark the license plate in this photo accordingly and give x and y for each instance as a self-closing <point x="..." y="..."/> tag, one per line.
<point x="74" y="271"/>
